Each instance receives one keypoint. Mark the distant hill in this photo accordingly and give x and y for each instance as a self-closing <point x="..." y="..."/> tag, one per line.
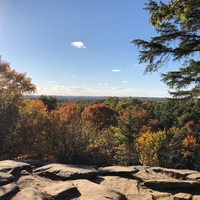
<point x="91" y="98"/>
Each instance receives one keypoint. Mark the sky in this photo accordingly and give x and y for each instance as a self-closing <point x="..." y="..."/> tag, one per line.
<point x="79" y="47"/>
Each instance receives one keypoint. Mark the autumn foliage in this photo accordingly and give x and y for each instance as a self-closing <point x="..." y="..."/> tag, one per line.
<point x="99" y="115"/>
<point x="12" y="86"/>
<point x="112" y="132"/>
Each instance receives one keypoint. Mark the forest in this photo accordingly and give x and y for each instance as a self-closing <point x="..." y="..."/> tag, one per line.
<point x="113" y="131"/>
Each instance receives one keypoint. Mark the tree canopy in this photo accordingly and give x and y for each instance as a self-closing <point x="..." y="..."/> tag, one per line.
<point x="177" y="25"/>
<point x="12" y="87"/>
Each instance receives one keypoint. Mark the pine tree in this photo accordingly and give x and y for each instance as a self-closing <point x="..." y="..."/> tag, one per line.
<point x="177" y="25"/>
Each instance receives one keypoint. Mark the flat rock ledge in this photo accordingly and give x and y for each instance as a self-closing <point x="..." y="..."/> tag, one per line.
<point x="35" y="180"/>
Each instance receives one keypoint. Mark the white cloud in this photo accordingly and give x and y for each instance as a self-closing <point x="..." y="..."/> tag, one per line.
<point x="116" y="70"/>
<point x="101" y="89"/>
<point x="103" y="84"/>
<point x="51" y="82"/>
<point x="86" y="86"/>
<point x="78" y="44"/>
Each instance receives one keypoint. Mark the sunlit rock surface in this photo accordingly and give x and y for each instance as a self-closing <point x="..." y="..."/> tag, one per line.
<point x="40" y="181"/>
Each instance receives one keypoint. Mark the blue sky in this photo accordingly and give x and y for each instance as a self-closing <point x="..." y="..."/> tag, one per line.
<point x="79" y="47"/>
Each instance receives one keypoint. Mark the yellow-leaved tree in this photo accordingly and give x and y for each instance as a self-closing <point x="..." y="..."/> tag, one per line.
<point x="148" y="146"/>
<point x="31" y="130"/>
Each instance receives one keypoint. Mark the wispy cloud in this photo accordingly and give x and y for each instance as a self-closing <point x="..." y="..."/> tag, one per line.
<point x="51" y="82"/>
<point x="89" y="90"/>
<point x="78" y="44"/>
<point x="103" y="84"/>
<point x="116" y="70"/>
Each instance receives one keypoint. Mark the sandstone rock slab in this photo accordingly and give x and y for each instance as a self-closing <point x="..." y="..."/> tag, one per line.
<point x="64" y="190"/>
<point x="5" y="178"/>
<point x="30" y="193"/>
<point x="34" y="181"/>
<point x="161" y="195"/>
<point x="171" y="184"/>
<point x="182" y="196"/>
<point x="174" y="173"/>
<point x="7" y="190"/>
<point x="194" y="176"/>
<point x="93" y="191"/>
<point x="149" y="174"/>
<point x="14" y="167"/>
<point x="117" y="170"/>
<point x="34" y="163"/>
<point x="66" y="172"/>
<point x="60" y="181"/>
<point x="196" y="197"/>
<point x="126" y="186"/>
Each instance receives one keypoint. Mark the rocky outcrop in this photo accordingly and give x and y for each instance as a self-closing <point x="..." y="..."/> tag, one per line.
<point x="32" y="181"/>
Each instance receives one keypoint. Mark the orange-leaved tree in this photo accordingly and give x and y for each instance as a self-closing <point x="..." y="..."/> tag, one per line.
<point x="183" y="147"/>
<point x="97" y="123"/>
<point x="12" y="87"/>
<point x="65" y="133"/>
<point x="99" y="116"/>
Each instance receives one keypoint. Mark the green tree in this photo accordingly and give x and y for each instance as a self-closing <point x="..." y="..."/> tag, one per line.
<point x="101" y="146"/>
<point x="127" y="133"/>
<point x="83" y="103"/>
<point x="111" y="102"/>
<point x="177" y="24"/>
<point x="12" y="87"/>
<point x="49" y="101"/>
